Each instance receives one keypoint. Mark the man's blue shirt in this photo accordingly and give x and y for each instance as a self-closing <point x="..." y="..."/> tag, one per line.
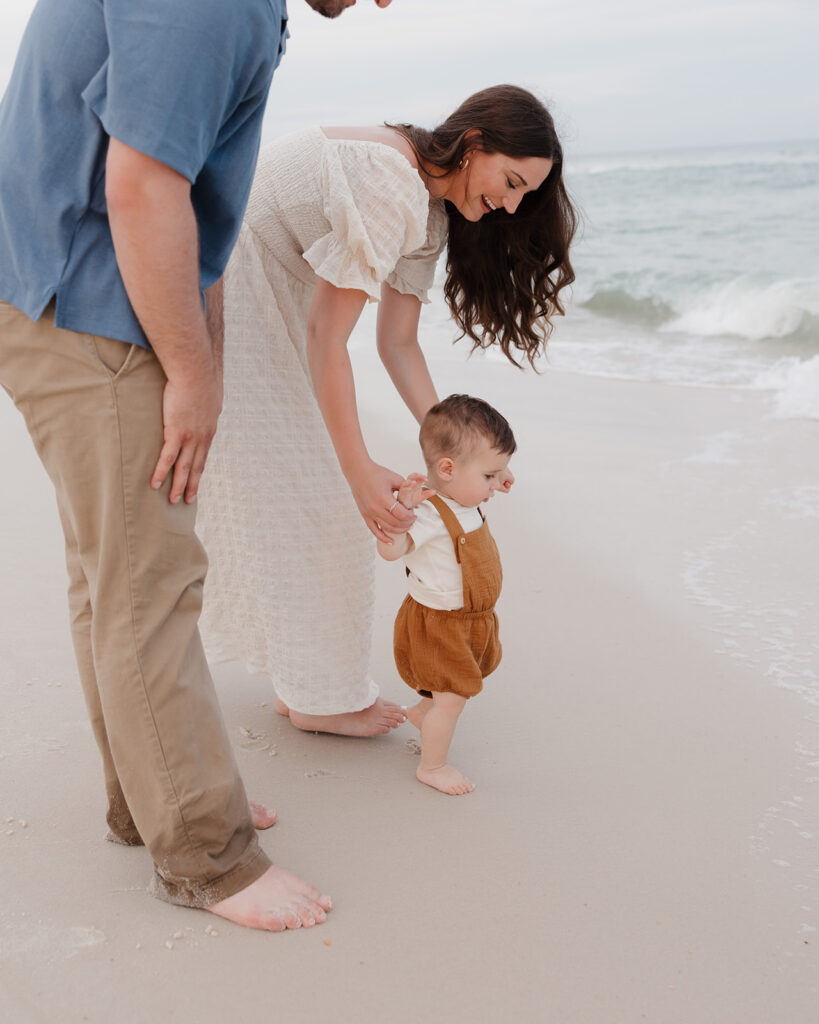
<point x="183" y="81"/>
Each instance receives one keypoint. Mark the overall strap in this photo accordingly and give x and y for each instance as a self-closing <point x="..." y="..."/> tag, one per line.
<point x="450" y="521"/>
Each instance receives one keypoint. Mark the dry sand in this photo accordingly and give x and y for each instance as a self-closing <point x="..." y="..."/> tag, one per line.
<point x="641" y="845"/>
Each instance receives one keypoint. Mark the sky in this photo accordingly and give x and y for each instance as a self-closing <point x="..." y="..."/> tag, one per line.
<point x="618" y="75"/>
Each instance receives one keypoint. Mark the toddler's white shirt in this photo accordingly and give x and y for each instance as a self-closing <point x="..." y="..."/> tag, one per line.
<point x="435" y="576"/>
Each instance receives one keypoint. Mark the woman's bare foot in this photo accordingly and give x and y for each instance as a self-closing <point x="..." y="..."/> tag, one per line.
<point x="260" y="816"/>
<point x="375" y="720"/>
<point x="274" y="902"/>
<point x="446" y="778"/>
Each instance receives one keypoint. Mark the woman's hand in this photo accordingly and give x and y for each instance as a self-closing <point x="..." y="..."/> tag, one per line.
<point x="414" y="490"/>
<point x="374" y="488"/>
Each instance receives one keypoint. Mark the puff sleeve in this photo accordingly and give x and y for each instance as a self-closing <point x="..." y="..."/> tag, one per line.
<point x="414" y="274"/>
<point x="378" y="209"/>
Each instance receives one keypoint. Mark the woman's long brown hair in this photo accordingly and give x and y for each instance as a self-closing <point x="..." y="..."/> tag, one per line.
<point x="504" y="273"/>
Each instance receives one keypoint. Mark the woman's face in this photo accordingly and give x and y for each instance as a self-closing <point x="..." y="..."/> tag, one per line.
<point x="492" y="181"/>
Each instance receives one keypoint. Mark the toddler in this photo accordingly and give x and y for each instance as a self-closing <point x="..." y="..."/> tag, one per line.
<point x="446" y="632"/>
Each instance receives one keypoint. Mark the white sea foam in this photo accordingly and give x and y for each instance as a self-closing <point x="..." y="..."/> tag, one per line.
<point x="744" y="308"/>
<point x="796" y="383"/>
<point x="720" y="450"/>
<point x="798" y="503"/>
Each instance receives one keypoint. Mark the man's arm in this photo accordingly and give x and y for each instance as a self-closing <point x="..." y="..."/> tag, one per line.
<point x="157" y="248"/>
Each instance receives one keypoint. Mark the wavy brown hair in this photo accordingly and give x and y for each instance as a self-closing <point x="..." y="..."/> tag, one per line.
<point x="504" y="273"/>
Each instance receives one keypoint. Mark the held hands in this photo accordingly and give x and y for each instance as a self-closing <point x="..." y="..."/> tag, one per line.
<point x="189" y="413"/>
<point x="413" y="491"/>
<point x="373" y="488"/>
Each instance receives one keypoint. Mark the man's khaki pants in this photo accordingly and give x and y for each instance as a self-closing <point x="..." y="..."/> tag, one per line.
<point x="93" y="407"/>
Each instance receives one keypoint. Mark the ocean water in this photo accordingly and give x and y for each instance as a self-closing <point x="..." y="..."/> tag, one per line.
<point x="699" y="267"/>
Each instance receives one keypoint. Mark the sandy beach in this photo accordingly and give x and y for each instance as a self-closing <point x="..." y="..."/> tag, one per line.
<point x="641" y="844"/>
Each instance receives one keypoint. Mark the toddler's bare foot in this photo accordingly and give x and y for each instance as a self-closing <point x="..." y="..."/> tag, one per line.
<point x="446" y="778"/>
<point x="377" y="719"/>
<point x="274" y="902"/>
<point x="260" y="816"/>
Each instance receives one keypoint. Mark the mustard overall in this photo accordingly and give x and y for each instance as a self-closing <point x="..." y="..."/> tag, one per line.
<point x="451" y="651"/>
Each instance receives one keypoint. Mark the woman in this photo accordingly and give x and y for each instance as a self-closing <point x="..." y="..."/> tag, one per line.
<point x="336" y="217"/>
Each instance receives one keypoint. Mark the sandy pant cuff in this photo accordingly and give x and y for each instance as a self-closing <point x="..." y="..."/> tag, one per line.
<point x="201" y="895"/>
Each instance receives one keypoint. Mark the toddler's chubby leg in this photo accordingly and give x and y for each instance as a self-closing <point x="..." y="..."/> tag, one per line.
<point x="437" y="724"/>
<point x="418" y="712"/>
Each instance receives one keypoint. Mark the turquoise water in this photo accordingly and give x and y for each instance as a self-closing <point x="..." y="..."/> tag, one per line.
<point x="699" y="267"/>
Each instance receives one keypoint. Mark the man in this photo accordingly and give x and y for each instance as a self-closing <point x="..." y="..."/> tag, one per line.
<point x="128" y="137"/>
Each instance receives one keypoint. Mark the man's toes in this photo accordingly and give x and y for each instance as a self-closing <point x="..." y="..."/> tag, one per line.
<point x="310" y="915"/>
<point x="261" y="816"/>
<point x="290" y="917"/>
<point x="271" y="922"/>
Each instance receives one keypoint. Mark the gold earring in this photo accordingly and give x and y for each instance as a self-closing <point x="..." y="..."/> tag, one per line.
<point x="462" y="166"/>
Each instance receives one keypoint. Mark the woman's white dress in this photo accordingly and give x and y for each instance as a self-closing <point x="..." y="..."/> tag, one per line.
<point x="289" y="592"/>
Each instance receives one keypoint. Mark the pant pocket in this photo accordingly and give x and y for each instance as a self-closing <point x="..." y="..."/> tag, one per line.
<point x="114" y="355"/>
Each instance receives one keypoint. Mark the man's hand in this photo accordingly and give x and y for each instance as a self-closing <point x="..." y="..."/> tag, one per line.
<point x="189" y="414"/>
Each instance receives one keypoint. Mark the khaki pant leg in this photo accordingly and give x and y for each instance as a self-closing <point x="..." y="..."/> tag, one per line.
<point x="93" y="407"/>
<point x="119" y="818"/>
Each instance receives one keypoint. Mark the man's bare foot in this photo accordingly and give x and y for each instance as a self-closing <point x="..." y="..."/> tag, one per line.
<point x="446" y="778"/>
<point x="375" y="720"/>
<point x="260" y="816"/>
<point x="274" y="902"/>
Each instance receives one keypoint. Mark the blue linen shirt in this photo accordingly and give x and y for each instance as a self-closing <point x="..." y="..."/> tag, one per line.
<point x="183" y="81"/>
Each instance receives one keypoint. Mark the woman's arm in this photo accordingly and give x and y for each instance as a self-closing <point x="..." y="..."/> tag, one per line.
<point x="333" y="314"/>
<point x="397" y="336"/>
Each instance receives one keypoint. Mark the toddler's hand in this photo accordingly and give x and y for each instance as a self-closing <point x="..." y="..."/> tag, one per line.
<point x="413" y="491"/>
<point x="506" y="481"/>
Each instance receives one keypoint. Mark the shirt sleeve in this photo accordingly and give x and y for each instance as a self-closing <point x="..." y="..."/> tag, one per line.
<point x="428" y="524"/>
<point x="181" y="75"/>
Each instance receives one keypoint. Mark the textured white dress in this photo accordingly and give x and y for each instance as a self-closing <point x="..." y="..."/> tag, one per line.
<point x="289" y="592"/>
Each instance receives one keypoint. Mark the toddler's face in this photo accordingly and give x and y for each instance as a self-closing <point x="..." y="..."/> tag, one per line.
<point x="476" y="476"/>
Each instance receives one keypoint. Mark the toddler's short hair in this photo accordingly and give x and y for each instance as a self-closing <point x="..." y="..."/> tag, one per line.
<point x="453" y="426"/>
